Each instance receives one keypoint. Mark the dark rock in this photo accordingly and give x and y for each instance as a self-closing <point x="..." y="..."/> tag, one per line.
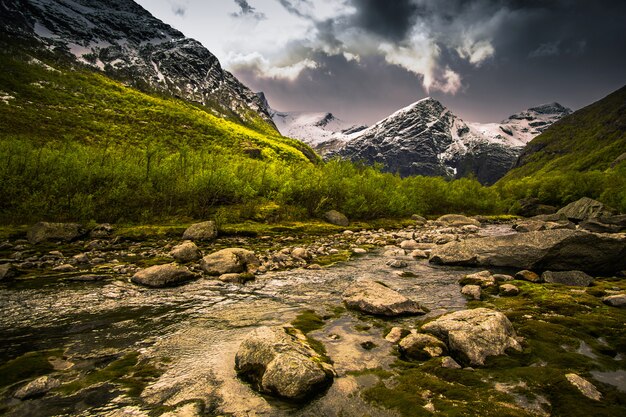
<point x="163" y="276"/>
<point x="616" y="300"/>
<point x="574" y="278"/>
<point x="532" y="207"/>
<point x="547" y="249"/>
<point x="374" y="298"/>
<point x="473" y="335"/>
<point x="596" y="225"/>
<point x="44" y="231"/>
<point x="279" y="361"/>
<point x="7" y="271"/>
<point x="584" y="209"/>
<point x="336" y="218"/>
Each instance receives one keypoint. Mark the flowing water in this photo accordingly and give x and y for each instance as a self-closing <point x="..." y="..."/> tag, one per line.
<point x="198" y="328"/>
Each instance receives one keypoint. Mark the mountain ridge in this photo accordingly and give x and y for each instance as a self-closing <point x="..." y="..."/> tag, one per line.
<point x="123" y="40"/>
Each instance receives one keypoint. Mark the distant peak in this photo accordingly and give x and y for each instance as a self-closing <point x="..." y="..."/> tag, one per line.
<point x="550" y="108"/>
<point x="328" y="117"/>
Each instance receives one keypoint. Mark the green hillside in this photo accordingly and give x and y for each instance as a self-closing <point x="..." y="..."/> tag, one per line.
<point x="78" y="146"/>
<point x="56" y="103"/>
<point x="577" y="156"/>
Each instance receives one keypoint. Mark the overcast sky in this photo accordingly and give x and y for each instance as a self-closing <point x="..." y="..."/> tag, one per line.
<point x="364" y="59"/>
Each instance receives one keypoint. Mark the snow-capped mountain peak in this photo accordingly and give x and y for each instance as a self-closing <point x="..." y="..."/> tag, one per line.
<point x="520" y="128"/>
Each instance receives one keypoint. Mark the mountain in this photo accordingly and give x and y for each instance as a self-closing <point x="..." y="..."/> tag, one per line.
<point x="426" y="138"/>
<point x="521" y="128"/>
<point x="592" y="138"/>
<point x="322" y="131"/>
<point x="123" y="40"/>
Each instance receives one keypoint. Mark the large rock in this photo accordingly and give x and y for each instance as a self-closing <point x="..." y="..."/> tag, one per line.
<point x="585" y="387"/>
<point x="547" y="249"/>
<point x="374" y="298"/>
<point x="574" y="278"/>
<point x="474" y="335"/>
<point x="279" y="361"/>
<point x="163" y="276"/>
<point x="201" y="231"/>
<point x="37" y="387"/>
<point x="336" y="218"/>
<point x="230" y="261"/>
<point x="186" y="252"/>
<point x="615" y="300"/>
<point x="458" y="220"/>
<point x="583" y="209"/>
<point x="44" y="231"/>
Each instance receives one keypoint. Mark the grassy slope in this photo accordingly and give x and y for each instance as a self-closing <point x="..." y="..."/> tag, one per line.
<point x="589" y="139"/>
<point x="574" y="157"/>
<point x="65" y="105"/>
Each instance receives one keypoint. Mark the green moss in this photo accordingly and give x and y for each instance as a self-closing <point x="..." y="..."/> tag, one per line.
<point x="341" y="256"/>
<point x="308" y="321"/>
<point x="126" y="371"/>
<point x="27" y="366"/>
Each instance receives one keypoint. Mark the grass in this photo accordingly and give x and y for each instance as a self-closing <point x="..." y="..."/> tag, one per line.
<point x="126" y="371"/>
<point x="27" y="366"/>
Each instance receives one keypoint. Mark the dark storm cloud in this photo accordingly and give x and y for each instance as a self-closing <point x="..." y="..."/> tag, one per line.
<point x="389" y="19"/>
<point x="247" y="11"/>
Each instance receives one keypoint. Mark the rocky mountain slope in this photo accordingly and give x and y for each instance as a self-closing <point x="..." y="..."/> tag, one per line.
<point x="125" y="41"/>
<point x="426" y="138"/>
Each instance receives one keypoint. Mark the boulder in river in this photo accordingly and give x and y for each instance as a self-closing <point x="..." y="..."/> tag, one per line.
<point x="472" y="291"/>
<point x="44" y="231"/>
<point x="279" y="361"/>
<point x="36" y="387"/>
<point x="158" y="276"/>
<point x="230" y="261"/>
<point x="458" y="220"/>
<point x="583" y="209"/>
<point x="574" y="278"/>
<point x="530" y="276"/>
<point x="336" y="218"/>
<point x="186" y="252"/>
<point x="556" y="250"/>
<point x="201" y="231"/>
<point x="375" y="298"/>
<point x="473" y="335"/>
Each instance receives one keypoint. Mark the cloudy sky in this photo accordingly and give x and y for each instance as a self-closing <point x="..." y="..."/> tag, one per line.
<point x="364" y="59"/>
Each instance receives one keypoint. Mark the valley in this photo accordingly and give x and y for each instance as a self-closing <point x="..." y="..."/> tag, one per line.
<point x="171" y="245"/>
